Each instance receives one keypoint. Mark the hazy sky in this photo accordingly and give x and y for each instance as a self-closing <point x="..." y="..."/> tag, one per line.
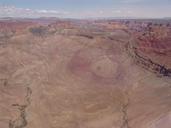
<point x="86" y="8"/>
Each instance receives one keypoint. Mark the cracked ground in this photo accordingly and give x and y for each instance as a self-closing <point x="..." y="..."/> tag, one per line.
<point x="71" y="80"/>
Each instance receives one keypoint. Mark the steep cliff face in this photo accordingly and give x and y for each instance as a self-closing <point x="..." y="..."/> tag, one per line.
<point x="151" y="48"/>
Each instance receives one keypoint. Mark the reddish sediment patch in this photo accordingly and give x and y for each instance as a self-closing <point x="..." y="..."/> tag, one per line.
<point x="93" y="64"/>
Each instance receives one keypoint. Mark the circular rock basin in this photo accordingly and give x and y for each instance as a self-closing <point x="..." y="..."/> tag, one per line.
<point x="93" y="64"/>
<point x="104" y="68"/>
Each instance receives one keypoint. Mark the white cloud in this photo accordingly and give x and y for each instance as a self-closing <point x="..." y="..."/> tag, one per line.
<point x="12" y="11"/>
<point x="131" y="1"/>
<point x="42" y="11"/>
<point x="117" y="11"/>
<point x="124" y="11"/>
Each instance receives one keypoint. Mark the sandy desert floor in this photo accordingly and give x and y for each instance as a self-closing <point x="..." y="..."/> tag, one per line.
<point x="71" y="80"/>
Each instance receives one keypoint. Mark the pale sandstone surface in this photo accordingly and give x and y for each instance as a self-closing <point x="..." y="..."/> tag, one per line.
<point x="69" y="81"/>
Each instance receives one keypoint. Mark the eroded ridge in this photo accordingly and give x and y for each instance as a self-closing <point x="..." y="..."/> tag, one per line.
<point x="147" y="63"/>
<point x="150" y="45"/>
<point x="21" y="121"/>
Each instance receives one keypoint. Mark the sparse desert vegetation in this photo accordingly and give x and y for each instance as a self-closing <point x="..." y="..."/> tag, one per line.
<point x="66" y="73"/>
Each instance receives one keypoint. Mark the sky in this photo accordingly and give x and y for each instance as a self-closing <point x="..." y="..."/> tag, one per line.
<point x="86" y="8"/>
